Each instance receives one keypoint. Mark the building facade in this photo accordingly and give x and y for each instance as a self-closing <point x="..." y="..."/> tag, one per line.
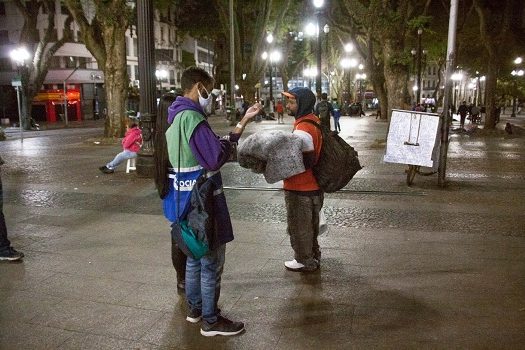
<point x="74" y="67"/>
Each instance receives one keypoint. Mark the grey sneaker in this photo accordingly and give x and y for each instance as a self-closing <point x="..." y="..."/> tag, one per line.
<point x="223" y="326"/>
<point x="10" y="254"/>
<point x="194" y="316"/>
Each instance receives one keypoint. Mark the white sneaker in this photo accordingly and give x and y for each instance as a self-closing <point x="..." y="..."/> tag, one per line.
<point x="293" y="265"/>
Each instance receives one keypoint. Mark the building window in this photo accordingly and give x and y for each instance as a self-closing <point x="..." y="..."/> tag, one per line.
<point x="136" y="70"/>
<point x="83" y="61"/>
<point x="71" y="62"/>
<point x="172" y="77"/>
<point x="127" y="47"/>
<point x="2" y="8"/>
<point x="128" y="68"/>
<point x="161" y="33"/>
<point x="135" y="47"/>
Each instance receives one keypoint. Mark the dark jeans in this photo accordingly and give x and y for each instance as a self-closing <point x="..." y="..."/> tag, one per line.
<point x="462" y="118"/>
<point x="4" y="242"/>
<point x="203" y="283"/>
<point x="303" y="226"/>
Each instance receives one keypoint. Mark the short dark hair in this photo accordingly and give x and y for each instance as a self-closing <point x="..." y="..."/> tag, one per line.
<point x="324" y="96"/>
<point x="194" y="75"/>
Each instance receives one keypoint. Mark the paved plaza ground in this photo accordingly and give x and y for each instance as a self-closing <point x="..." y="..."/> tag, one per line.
<point x="417" y="267"/>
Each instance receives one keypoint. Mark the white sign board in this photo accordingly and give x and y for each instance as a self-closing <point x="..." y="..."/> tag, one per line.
<point x="413" y="138"/>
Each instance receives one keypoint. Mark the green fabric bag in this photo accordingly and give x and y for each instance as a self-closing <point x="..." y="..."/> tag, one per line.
<point x="198" y="248"/>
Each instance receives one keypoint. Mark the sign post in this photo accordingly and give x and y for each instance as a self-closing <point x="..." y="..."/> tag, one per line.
<point x="16" y="82"/>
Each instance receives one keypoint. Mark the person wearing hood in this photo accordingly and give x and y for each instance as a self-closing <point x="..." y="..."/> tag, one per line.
<point x="193" y="146"/>
<point x="131" y="144"/>
<point x="302" y="194"/>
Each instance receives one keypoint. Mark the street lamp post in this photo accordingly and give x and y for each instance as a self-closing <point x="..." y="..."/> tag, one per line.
<point x="318" y="4"/>
<point x="326" y="30"/>
<point x="361" y="77"/>
<point x="96" y="108"/>
<point x="456" y="78"/>
<point x="147" y="103"/>
<point x="273" y="57"/>
<point x="347" y="64"/>
<point x="515" y="73"/>
<point x="418" y="55"/>
<point x="19" y="56"/>
<point x="161" y="74"/>
<point x="477" y="96"/>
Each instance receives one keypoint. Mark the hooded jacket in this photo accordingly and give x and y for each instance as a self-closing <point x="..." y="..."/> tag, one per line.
<point x="200" y="148"/>
<point x="305" y="182"/>
<point x="132" y="141"/>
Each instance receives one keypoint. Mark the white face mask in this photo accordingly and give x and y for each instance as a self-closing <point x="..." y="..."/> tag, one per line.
<point x="204" y="102"/>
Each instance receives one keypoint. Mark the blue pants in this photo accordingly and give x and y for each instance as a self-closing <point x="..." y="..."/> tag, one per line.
<point x="203" y="283"/>
<point x="119" y="158"/>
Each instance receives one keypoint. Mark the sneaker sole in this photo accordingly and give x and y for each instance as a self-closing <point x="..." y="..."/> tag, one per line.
<point x="193" y="319"/>
<point x="302" y="269"/>
<point x="214" y="333"/>
<point x="11" y="259"/>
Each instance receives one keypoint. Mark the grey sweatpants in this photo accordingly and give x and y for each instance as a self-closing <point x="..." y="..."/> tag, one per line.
<point x="303" y="227"/>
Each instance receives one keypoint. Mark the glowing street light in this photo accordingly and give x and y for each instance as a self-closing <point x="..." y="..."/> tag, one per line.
<point x="20" y="56"/>
<point x="161" y="75"/>
<point x="310" y="29"/>
<point x="273" y="57"/>
<point x="349" y="47"/>
<point x="456" y="77"/>
<point x="517" y="72"/>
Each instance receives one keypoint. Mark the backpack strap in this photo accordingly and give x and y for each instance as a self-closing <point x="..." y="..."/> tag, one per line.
<point x="311" y="122"/>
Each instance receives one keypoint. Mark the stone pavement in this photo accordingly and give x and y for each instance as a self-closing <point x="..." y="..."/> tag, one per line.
<point x="403" y="267"/>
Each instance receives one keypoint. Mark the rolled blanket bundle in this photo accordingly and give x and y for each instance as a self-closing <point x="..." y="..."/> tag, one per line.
<point x="274" y="153"/>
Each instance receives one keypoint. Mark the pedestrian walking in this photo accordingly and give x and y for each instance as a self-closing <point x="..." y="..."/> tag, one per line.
<point x="462" y="111"/>
<point x="7" y="252"/>
<point x="336" y="115"/>
<point x="131" y="144"/>
<point x="162" y="166"/>
<point x="302" y="195"/>
<point x="193" y="146"/>
<point x="323" y="110"/>
<point x="279" y="108"/>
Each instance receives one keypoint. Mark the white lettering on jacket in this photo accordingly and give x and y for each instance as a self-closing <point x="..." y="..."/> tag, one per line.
<point x="183" y="185"/>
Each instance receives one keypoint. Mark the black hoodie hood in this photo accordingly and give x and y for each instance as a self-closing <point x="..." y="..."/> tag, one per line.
<point x="305" y="101"/>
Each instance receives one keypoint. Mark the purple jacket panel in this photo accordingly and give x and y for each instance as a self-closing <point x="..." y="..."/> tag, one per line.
<point x="210" y="151"/>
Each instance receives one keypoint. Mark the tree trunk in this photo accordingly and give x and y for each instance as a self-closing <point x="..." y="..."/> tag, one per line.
<point x="248" y="90"/>
<point x="105" y="37"/>
<point x="115" y="81"/>
<point x="490" y="93"/>
<point x="395" y="78"/>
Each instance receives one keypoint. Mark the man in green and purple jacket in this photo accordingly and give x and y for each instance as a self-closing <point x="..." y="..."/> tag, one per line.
<point x="192" y="147"/>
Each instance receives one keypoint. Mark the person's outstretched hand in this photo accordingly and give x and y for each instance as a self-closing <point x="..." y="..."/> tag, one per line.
<point x="253" y="111"/>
